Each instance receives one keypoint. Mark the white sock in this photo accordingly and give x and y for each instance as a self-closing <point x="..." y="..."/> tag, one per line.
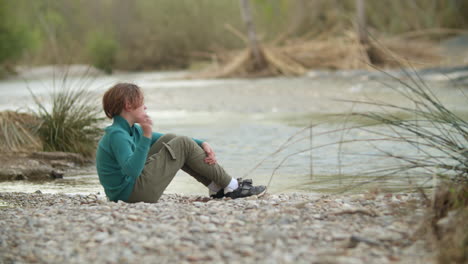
<point x="214" y="188"/>
<point x="231" y="186"/>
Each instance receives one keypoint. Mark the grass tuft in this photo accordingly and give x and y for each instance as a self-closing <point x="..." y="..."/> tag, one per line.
<point x="71" y="125"/>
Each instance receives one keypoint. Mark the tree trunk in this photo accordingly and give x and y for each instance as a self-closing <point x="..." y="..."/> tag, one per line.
<point x="361" y="23"/>
<point x="252" y="36"/>
<point x="374" y="54"/>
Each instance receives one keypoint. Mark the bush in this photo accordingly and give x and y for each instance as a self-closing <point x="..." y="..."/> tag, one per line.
<point x="102" y="51"/>
<point x="12" y="43"/>
<point x="14" y="38"/>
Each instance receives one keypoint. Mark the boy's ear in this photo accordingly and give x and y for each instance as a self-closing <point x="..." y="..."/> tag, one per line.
<point x="127" y="106"/>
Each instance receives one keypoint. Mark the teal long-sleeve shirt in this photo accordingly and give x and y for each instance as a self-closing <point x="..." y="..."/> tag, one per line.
<point x="121" y="157"/>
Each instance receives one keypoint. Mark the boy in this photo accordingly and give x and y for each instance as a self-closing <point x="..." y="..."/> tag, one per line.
<point x="135" y="164"/>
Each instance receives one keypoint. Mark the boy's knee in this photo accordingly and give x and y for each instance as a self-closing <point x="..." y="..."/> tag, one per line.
<point x="185" y="139"/>
<point x="168" y="137"/>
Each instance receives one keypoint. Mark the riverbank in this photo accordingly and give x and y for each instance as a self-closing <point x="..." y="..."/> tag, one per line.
<point x="284" y="228"/>
<point x="39" y="166"/>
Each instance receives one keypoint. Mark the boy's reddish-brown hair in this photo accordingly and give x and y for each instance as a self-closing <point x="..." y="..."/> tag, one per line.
<point x="117" y="96"/>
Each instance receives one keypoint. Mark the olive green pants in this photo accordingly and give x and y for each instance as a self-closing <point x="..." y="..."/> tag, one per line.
<point x="167" y="155"/>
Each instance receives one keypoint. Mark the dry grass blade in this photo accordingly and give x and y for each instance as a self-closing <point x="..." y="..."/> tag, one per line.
<point x="17" y="132"/>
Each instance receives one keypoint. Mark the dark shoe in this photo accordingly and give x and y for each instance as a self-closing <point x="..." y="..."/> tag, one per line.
<point x="246" y="184"/>
<point x="246" y="189"/>
<point x="246" y="181"/>
<point x="218" y="195"/>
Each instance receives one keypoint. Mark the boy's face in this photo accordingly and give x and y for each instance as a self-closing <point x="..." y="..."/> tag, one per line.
<point x="139" y="113"/>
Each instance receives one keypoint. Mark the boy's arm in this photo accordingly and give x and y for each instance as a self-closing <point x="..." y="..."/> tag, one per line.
<point x="199" y="142"/>
<point x="131" y="162"/>
<point x="155" y="137"/>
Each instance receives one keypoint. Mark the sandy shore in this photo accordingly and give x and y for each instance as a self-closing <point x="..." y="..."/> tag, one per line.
<point x="285" y="228"/>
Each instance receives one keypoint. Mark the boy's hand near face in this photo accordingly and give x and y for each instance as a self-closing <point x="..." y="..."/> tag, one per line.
<point x="147" y="124"/>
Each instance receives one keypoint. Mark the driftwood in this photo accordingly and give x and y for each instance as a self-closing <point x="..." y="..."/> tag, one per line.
<point x="355" y="240"/>
<point x="345" y="52"/>
<point x="356" y="211"/>
<point x="256" y="59"/>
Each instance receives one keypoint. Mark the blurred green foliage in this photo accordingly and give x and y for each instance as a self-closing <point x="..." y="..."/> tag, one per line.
<point x="161" y="34"/>
<point x="102" y="51"/>
<point x="14" y="36"/>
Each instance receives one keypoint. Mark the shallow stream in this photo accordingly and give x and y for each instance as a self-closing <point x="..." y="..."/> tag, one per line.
<point x="245" y="120"/>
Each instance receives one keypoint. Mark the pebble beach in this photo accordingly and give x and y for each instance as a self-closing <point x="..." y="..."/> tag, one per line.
<point x="275" y="228"/>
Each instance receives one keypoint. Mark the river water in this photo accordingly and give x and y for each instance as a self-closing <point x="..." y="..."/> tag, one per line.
<point x="246" y="120"/>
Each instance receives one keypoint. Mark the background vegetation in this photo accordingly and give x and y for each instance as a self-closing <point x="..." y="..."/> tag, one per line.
<point x="162" y="34"/>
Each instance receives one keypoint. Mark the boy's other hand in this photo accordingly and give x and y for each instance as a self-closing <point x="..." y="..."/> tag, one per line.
<point x="210" y="155"/>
